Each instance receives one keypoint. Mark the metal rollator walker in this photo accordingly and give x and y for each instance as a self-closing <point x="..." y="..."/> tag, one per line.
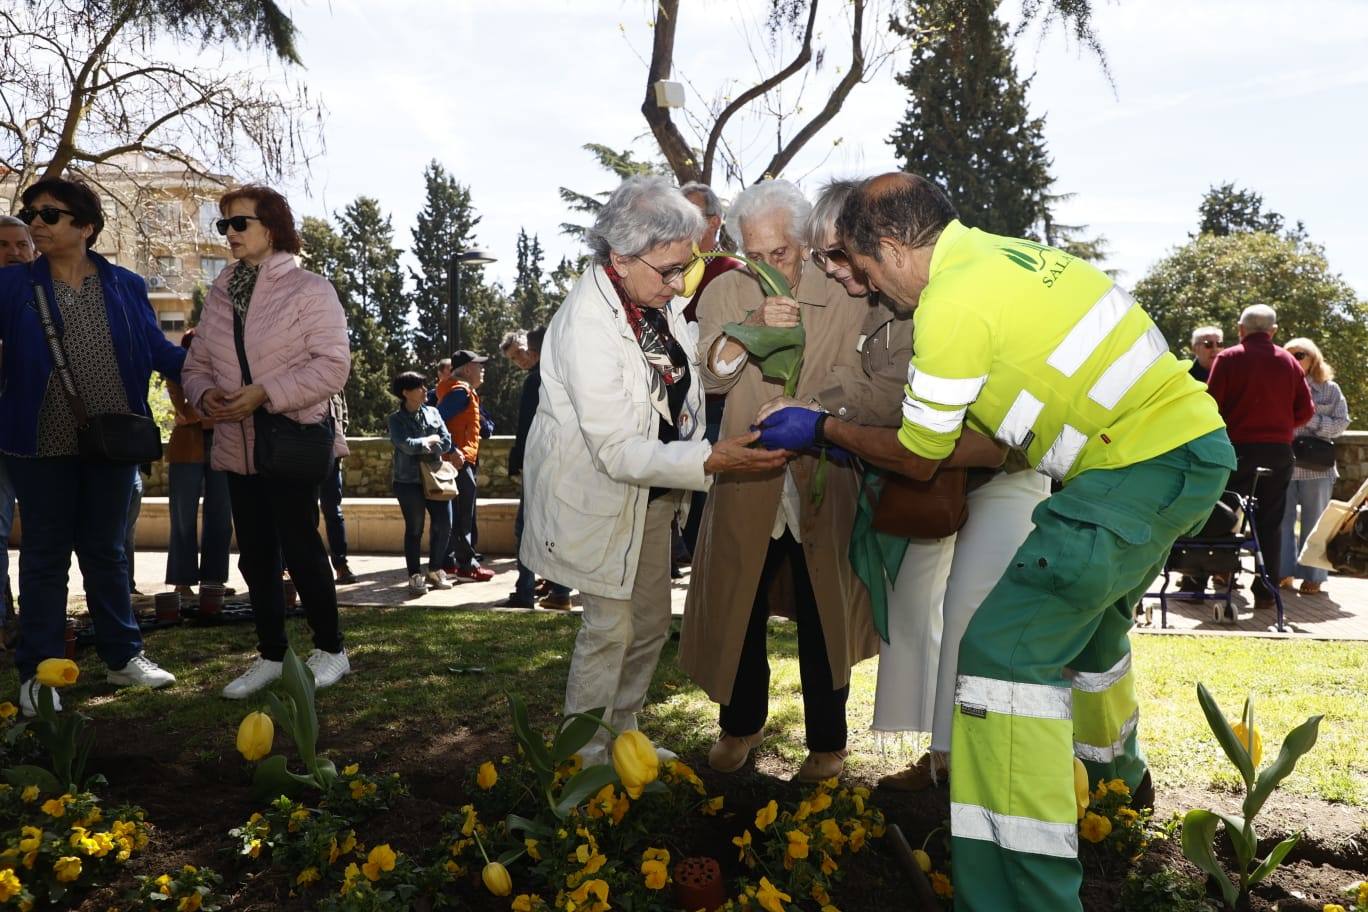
<point x="1216" y="550"/>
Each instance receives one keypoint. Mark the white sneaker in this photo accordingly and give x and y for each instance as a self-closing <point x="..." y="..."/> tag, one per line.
<point x="141" y="672"/>
<point x="260" y="673"/>
<point x="28" y="699"/>
<point x="417" y="585"/>
<point x="328" y="667"/>
<point x="437" y="579"/>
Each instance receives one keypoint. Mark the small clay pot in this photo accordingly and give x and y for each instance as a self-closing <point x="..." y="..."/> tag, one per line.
<point x="167" y="605"/>
<point x="698" y="884"/>
<point x="210" y="599"/>
<point x="291" y="594"/>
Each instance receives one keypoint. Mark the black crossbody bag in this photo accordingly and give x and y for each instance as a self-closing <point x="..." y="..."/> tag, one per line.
<point x="285" y="449"/>
<point x="1314" y="452"/>
<point x="115" y="437"/>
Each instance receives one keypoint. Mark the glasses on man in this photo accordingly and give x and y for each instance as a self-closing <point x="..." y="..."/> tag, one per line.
<point x="49" y="214"/>
<point x="669" y="275"/>
<point x="1301" y="356"/>
<point x="1210" y="343"/>
<point x="831" y="258"/>
<point x="237" y="223"/>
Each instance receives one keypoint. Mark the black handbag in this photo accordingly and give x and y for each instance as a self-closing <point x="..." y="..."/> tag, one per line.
<point x="1314" y="452"/>
<point x="116" y="437"/>
<point x="285" y="449"/>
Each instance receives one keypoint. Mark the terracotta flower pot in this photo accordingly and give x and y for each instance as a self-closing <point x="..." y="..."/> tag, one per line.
<point x="167" y="605"/>
<point x="210" y="599"/>
<point x="698" y="884"/>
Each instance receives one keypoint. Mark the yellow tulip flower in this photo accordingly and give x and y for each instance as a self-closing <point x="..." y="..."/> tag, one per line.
<point x="1255" y="749"/>
<point x="1081" y="793"/>
<point x="57" y="672"/>
<point x="255" y="735"/>
<point x="487" y="776"/>
<point x="635" y="760"/>
<point x="496" y="879"/>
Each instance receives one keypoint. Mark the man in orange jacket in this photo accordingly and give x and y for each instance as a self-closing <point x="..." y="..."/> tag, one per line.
<point x="458" y="401"/>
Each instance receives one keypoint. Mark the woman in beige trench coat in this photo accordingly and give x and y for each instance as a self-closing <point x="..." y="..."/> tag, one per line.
<point x="761" y="528"/>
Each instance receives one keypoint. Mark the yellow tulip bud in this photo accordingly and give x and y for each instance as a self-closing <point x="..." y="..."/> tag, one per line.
<point x="1081" y="794"/>
<point x="694" y="274"/>
<point x="922" y="859"/>
<point x="1255" y="749"/>
<point x="635" y="760"/>
<point x="57" y="672"/>
<point x="487" y="776"/>
<point x="255" y="735"/>
<point x="496" y="879"/>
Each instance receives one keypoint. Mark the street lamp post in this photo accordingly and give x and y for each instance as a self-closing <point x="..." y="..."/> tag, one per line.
<point x="472" y="257"/>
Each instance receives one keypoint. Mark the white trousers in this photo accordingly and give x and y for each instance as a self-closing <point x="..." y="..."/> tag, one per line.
<point x="940" y="585"/>
<point x="619" y="640"/>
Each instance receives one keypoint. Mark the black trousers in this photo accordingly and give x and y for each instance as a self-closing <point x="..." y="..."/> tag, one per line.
<point x="824" y="714"/>
<point x="272" y="519"/>
<point x="461" y="545"/>
<point x="1272" y="494"/>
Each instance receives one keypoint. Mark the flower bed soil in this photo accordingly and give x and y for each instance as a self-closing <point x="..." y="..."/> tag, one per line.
<point x="191" y="808"/>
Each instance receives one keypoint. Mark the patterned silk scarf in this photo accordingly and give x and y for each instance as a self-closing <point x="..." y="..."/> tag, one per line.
<point x="240" y="285"/>
<point x="662" y="352"/>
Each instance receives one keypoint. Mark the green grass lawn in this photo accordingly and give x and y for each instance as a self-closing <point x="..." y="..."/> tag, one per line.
<point x="414" y="683"/>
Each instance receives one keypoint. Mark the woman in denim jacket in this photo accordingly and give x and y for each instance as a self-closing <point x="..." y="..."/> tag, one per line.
<point x="419" y="433"/>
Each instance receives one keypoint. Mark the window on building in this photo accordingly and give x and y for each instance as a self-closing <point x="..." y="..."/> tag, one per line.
<point x="172" y="321"/>
<point x="208" y="214"/>
<point x="211" y="266"/>
<point x="168" y="265"/>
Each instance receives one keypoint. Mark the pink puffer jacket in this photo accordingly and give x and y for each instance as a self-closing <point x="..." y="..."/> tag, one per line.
<point x="296" y="341"/>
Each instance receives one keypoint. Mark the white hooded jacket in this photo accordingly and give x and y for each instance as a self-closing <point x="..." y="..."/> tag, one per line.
<point x="593" y="452"/>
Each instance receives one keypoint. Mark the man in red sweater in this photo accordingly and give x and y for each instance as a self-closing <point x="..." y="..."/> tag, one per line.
<point x="1263" y="397"/>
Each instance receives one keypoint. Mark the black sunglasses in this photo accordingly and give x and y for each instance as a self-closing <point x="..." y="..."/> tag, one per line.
<point x="237" y="223"/>
<point x="669" y="275"/>
<point x="1208" y="343"/>
<point x="49" y="214"/>
<point x="831" y="258"/>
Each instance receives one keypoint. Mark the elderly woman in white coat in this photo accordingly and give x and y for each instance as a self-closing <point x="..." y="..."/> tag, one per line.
<point x="617" y="438"/>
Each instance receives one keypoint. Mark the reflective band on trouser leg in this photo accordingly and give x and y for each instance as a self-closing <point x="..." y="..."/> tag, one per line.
<point x="1105" y="722"/>
<point x="1012" y="816"/>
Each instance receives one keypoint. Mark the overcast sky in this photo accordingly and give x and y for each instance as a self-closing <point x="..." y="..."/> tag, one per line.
<point x="504" y="94"/>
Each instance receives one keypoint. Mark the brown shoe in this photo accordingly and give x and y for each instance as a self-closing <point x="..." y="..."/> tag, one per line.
<point x="730" y="752"/>
<point x="1310" y="588"/>
<point x="1287" y="582"/>
<point x="926" y="772"/>
<point x="821" y="765"/>
<point x="556" y="602"/>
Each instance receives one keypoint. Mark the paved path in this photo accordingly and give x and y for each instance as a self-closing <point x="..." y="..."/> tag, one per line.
<point x="1341" y="613"/>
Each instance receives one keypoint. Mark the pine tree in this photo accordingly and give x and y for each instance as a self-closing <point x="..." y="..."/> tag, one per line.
<point x="368" y="400"/>
<point x="445" y="225"/>
<point x="618" y="162"/>
<point x="532" y="298"/>
<point x="967" y="124"/>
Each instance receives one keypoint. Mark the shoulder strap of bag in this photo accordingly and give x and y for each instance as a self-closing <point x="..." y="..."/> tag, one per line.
<point x="241" y="349"/>
<point x="59" y="358"/>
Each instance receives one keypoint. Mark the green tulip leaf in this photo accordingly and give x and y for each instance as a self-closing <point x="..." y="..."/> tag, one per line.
<point x="1298" y="741"/>
<point x="299" y="684"/>
<point x="583" y="784"/>
<point x="1274" y="858"/>
<point x="16" y="730"/>
<point x="518" y="824"/>
<point x="817" y="487"/>
<point x="1244" y="843"/>
<point x="763" y="341"/>
<point x="576" y="731"/>
<point x="1199" y="838"/>
<point x="26" y="774"/>
<point x="531" y="741"/>
<point x="1225" y="736"/>
<point x="771" y="280"/>
<point x="273" y="779"/>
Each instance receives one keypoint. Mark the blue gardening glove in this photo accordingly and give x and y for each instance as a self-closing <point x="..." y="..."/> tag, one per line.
<point x="791" y="428"/>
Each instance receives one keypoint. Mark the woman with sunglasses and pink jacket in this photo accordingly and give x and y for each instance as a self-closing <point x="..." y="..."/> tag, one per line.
<point x="294" y="337"/>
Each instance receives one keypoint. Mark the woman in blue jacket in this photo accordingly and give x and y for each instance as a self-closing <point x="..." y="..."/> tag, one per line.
<point x="112" y="342"/>
<point x="418" y="434"/>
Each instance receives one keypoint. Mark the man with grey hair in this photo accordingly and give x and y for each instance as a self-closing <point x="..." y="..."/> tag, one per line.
<point x="767" y="544"/>
<point x="1262" y="393"/>
<point x="16" y="248"/>
<point x="1207" y="342"/>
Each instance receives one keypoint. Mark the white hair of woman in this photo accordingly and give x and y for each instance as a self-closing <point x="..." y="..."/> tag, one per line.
<point x="768" y="196"/>
<point x="643" y="213"/>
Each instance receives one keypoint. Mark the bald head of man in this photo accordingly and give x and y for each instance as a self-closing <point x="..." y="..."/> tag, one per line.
<point x="16" y="245"/>
<point x="889" y="227"/>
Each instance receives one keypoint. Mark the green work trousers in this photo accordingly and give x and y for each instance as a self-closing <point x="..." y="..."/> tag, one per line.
<point x="1044" y="674"/>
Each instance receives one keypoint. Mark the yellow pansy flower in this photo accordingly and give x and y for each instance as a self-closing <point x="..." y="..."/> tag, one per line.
<point x="1094" y="827"/>
<point x="307" y="877"/>
<point x="10" y="885"/>
<point x="380" y="860"/>
<point x="67" y="868"/>
<point x="770" y="897"/>
<point x="655" y="874"/>
<point x="766" y="815"/>
<point x="29" y="794"/>
<point x="190" y="902"/>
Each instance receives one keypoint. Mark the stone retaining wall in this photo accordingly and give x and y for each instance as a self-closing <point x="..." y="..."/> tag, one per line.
<point x="367" y="471"/>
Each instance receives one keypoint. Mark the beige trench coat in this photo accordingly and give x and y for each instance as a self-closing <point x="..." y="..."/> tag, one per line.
<point x="740" y="512"/>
